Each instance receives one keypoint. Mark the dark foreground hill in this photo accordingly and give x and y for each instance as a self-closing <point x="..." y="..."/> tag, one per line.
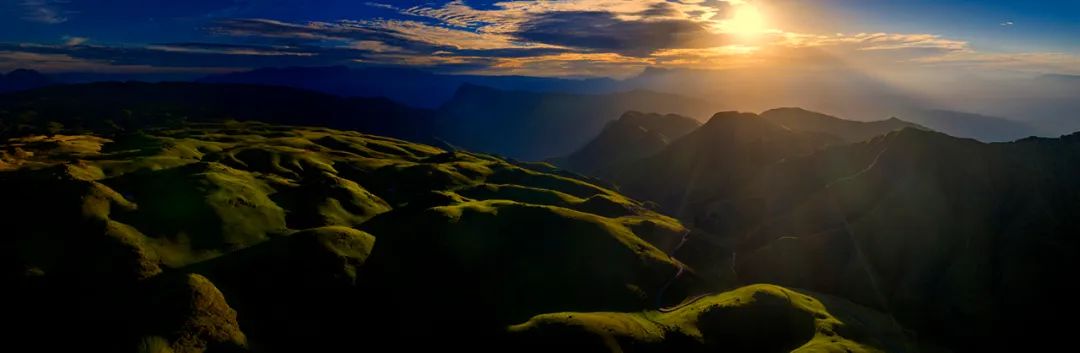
<point x="250" y="237"/>
<point x="959" y="240"/>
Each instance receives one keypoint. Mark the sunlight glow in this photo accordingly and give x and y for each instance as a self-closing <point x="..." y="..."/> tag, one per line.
<point x="747" y="21"/>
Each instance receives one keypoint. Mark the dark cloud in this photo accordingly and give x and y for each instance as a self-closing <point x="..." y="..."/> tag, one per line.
<point x="660" y="9"/>
<point x="510" y="52"/>
<point x="319" y="33"/>
<point x="604" y="32"/>
<point x="197" y="56"/>
<point x="717" y="4"/>
<point x="316" y="34"/>
<point x="266" y="28"/>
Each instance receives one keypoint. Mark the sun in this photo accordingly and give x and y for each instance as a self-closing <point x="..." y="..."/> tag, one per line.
<point x="747" y="20"/>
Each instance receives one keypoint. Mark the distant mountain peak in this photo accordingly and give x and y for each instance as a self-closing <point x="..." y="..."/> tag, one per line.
<point x="634" y="135"/>
<point x="925" y="135"/>
<point x="732" y="115"/>
<point x="23" y="79"/>
<point x="651" y="120"/>
<point x="790" y="109"/>
<point x="727" y="119"/>
<point x="28" y="72"/>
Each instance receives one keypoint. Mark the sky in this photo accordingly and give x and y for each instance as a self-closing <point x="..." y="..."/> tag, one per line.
<point x="569" y="38"/>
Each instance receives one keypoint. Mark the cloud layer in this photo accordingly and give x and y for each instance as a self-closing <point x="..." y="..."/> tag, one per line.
<point x="550" y="38"/>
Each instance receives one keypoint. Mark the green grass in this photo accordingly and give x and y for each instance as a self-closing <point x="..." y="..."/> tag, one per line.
<point x="225" y="237"/>
<point x="761" y="318"/>
<point x="197" y="319"/>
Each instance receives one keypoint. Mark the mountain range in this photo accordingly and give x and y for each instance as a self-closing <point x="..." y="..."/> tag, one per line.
<point x="953" y="237"/>
<point x="532" y="126"/>
<point x="1037" y="110"/>
<point x="846" y="93"/>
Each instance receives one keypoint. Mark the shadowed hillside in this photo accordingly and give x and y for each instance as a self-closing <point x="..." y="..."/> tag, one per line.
<point x="634" y="135"/>
<point x="956" y="238"/>
<point x="731" y="150"/>
<point x="756" y="318"/>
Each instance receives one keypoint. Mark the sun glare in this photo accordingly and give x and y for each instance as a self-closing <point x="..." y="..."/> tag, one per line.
<point x="746" y="21"/>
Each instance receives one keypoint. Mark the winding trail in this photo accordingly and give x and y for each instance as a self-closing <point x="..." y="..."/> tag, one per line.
<point x="682" y="268"/>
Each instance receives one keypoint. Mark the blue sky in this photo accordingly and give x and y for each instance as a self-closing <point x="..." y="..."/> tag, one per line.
<point x="553" y="38"/>
<point x="1036" y="25"/>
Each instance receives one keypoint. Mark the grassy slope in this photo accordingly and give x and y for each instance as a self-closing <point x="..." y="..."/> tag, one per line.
<point x="757" y="318"/>
<point x="960" y="240"/>
<point x="106" y="231"/>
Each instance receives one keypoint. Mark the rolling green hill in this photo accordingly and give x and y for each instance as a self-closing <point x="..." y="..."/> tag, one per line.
<point x="755" y="318"/>
<point x="253" y="237"/>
